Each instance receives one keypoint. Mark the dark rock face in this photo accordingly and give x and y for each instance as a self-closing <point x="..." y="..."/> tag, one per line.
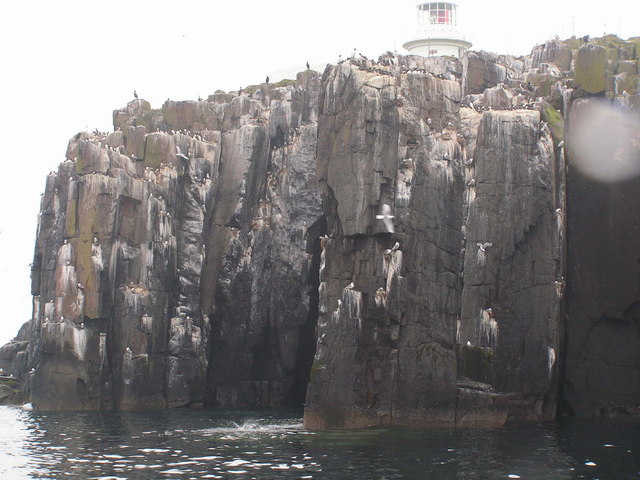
<point x="393" y="327"/>
<point x="397" y="316"/>
<point x="509" y="301"/>
<point x="263" y="335"/>
<point x="603" y="278"/>
<point x="227" y="253"/>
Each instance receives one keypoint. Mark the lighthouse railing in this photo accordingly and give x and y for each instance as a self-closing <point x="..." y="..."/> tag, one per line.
<point x="427" y="30"/>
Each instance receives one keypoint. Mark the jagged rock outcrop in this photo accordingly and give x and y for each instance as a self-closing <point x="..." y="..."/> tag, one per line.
<point x="162" y="257"/>
<point x="227" y="253"/>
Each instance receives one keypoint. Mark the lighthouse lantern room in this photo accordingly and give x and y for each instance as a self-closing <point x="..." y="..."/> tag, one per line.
<point x="437" y="31"/>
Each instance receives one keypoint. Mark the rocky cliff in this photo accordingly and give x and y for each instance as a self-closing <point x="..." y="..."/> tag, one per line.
<point x="226" y="252"/>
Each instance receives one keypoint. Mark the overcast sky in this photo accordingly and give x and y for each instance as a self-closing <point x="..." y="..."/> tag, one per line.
<point x="67" y="64"/>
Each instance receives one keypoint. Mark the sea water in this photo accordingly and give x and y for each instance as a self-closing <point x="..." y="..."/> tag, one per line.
<point x="189" y="444"/>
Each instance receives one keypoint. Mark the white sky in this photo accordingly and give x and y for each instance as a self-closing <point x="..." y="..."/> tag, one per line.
<point x="67" y="64"/>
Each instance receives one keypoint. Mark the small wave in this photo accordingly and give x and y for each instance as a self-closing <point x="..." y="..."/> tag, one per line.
<point x="153" y="450"/>
<point x="253" y="426"/>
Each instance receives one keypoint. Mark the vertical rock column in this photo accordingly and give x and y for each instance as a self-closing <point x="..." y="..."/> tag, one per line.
<point x="116" y="271"/>
<point x="603" y="277"/>
<point x="386" y="347"/>
<point x="508" y="328"/>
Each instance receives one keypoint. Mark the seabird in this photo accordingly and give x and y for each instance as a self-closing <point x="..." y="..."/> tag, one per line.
<point x="559" y="219"/>
<point x="180" y="154"/>
<point x="386" y="216"/>
<point x="33" y="370"/>
<point x="483" y="246"/>
<point x="446" y="156"/>
<point x="308" y="67"/>
<point x="128" y="349"/>
<point x="482" y="256"/>
<point x="350" y="286"/>
<point x="407" y="163"/>
<point x="561" y="144"/>
<point x="80" y="286"/>
<point x="396" y="246"/>
<point x="65" y="241"/>
<point x="135" y="94"/>
<point x="429" y="122"/>
<point x="267" y="79"/>
<point x="559" y="285"/>
<point x="387" y="251"/>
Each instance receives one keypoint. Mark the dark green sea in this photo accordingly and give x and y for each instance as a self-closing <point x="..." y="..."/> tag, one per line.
<point x="256" y="445"/>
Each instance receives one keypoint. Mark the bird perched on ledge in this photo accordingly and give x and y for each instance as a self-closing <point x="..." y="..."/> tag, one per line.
<point x="482" y="256"/>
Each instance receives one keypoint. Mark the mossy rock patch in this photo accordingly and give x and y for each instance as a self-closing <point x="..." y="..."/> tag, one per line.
<point x="475" y="363"/>
<point x="555" y="121"/>
<point x="591" y="68"/>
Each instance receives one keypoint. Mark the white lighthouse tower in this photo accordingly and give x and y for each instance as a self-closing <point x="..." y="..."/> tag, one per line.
<point x="437" y="31"/>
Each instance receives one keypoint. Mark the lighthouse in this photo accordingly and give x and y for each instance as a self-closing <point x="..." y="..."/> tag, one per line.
<point x="437" y="31"/>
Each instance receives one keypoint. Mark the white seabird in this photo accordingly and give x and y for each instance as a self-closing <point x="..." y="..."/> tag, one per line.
<point x="483" y="246"/>
<point x="386" y="216"/>
<point x="180" y="154"/>
<point x="482" y="256"/>
<point x="395" y="247"/>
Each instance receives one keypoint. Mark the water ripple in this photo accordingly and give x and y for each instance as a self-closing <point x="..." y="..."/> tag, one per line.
<point x="200" y="444"/>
